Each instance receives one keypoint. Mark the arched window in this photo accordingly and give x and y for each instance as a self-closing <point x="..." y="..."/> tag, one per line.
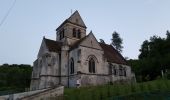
<point x="79" y="34"/>
<point x="74" y="32"/>
<point x="91" y="65"/>
<point x="71" y="66"/>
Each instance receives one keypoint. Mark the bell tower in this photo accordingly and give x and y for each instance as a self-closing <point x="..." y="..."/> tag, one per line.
<point x="72" y="29"/>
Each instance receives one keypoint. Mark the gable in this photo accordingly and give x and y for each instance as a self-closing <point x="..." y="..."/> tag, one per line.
<point x="43" y="49"/>
<point x="91" y="42"/>
<point x="48" y="45"/>
<point x="75" y="18"/>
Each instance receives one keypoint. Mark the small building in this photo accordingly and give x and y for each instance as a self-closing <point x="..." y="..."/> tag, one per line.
<point x="76" y="55"/>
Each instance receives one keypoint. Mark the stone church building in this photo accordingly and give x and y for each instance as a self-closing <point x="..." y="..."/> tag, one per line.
<point x="77" y="56"/>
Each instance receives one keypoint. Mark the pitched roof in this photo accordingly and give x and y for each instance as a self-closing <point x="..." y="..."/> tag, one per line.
<point x="75" y="16"/>
<point x="53" y="46"/>
<point x="69" y="20"/>
<point x="112" y="54"/>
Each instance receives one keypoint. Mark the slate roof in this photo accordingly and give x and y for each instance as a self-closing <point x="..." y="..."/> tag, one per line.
<point x="53" y="46"/>
<point x="112" y="54"/>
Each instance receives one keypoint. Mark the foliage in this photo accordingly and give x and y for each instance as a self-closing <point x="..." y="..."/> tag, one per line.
<point x="106" y="92"/>
<point x="117" y="42"/>
<point x="102" y="41"/>
<point x="154" y="57"/>
<point x="15" y="77"/>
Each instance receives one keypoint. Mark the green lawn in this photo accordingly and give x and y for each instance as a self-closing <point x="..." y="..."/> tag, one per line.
<point x="152" y="90"/>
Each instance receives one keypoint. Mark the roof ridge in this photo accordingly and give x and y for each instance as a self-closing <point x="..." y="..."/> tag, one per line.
<point x="73" y="14"/>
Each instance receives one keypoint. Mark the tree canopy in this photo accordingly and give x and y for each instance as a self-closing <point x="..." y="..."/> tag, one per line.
<point x="154" y="57"/>
<point x="15" y="77"/>
<point x="117" y="42"/>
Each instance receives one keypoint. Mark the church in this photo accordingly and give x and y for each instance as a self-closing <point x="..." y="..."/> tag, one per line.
<point x="76" y="56"/>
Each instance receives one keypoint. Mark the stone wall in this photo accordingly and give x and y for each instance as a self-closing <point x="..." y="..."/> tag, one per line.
<point x="42" y="94"/>
<point x="45" y="71"/>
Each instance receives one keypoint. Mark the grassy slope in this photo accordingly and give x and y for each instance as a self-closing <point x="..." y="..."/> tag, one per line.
<point x="126" y="92"/>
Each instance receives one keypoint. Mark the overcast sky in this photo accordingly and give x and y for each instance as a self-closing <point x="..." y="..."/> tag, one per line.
<point x="135" y="20"/>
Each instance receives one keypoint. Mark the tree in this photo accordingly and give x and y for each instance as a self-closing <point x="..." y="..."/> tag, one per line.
<point x="168" y="35"/>
<point x="154" y="57"/>
<point x="144" y="49"/>
<point x="102" y="41"/>
<point x="15" y="77"/>
<point x="117" y="42"/>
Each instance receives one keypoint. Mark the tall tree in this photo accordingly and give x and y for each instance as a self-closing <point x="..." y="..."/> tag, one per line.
<point x="144" y="49"/>
<point x="154" y="57"/>
<point x="168" y="35"/>
<point x="102" y="41"/>
<point x="117" y="42"/>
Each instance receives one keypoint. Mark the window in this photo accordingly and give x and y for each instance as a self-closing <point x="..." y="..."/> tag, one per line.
<point x="120" y="70"/>
<point x="63" y="33"/>
<point x="60" y="35"/>
<point x="74" y="32"/>
<point x="71" y="66"/>
<point x="91" y="65"/>
<point x="114" y="70"/>
<point x="110" y="68"/>
<point x="79" y="34"/>
<point x="124" y="69"/>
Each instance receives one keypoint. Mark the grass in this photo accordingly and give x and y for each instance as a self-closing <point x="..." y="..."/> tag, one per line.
<point x="135" y="91"/>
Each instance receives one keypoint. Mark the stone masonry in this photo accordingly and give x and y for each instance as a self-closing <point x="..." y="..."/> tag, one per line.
<point x="76" y="58"/>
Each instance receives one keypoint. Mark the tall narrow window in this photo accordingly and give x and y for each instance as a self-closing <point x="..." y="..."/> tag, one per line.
<point x="124" y="69"/>
<point x="74" y="32"/>
<point x="114" y="70"/>
<point x="71" y="66"/>
<point x="110" y="68"/>
<point x="121" y="70"/>
<point x="63" y="33"/>
<point x="79" y="34"/>
<point x="91" y="65"/>
<point x="60" y="35"/>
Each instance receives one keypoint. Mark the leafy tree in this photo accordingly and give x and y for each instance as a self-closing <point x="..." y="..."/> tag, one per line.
<point x="154" y="56"/>
<point x="168" y="35"/>
<point x="144" y="49"/>
<point x="102" y="41"/>
<point x="117" y="42"/>
<point x="15" y="77"/>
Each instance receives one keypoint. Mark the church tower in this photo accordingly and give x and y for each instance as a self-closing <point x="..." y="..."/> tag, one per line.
<point x="72" y="29"/>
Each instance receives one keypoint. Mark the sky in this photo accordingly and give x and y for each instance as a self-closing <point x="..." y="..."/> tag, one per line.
<point x="22" y="31"/>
